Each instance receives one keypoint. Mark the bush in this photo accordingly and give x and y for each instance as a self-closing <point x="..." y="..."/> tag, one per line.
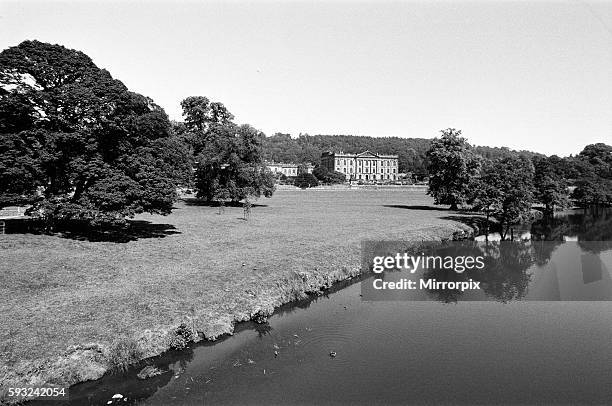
<point x="306" y="180"/>
<point x="123" y="352"/>
<point x="183" y="335"/>
<point x="326" y="176"/>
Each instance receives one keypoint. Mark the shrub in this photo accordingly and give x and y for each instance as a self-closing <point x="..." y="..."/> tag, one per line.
<point x="306" y="180"/>
<point x="123" y="352"/>
<point x="183" y="335"/>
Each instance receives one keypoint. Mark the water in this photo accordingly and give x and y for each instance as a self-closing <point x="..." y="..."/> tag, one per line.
<point x="405" y="352"/>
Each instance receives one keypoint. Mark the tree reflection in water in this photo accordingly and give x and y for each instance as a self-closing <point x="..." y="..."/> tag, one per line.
<point x="505" y="276"/>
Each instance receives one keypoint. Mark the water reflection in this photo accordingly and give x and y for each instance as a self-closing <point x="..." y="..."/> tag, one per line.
<point x="561" y="258"/>
<point x="576" y="225"/>
<point x="504" y="277"/>
<point x="513" y="270"/>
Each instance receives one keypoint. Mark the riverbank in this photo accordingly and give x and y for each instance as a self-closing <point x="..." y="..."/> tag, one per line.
<point x="74" y="309"/>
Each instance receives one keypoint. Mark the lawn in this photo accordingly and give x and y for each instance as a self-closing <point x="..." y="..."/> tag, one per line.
<point x="67" y="302"/>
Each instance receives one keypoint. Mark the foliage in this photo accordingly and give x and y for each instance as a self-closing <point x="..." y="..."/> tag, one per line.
<point x="230" y="165"/>
<point x="76" y="144"/>
<point x="123" y="352"/>
<point x="593" y="190"/>
<point x="412" y="152"/>
<point x="228" y="158"/>
<point x="324" y="175"/>
<point x="308" y="148"/>
<point x="200" y="113"/>
<point x="599" y="158"/>
<point x="305" y="180"/>
<point x="452" y="164"/>
<point x="182" y="336"/>
<point x="485" y="193"/>
<point x="593" y="168"/>
<point x="504" y="190"/>
<point x="549" y="185"/>
<point x="494" y="153"/>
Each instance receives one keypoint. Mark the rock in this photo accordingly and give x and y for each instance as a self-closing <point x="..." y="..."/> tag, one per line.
<point x="149" y="371"/>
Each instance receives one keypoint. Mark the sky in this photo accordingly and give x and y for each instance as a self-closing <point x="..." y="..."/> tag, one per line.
<point x="525" y="74"/>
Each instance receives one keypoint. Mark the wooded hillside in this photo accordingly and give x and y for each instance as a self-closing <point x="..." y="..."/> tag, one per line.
<point x="411" y="151"/>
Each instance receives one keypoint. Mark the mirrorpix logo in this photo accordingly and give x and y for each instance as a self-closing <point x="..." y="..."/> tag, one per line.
<point x="410" y="263"/>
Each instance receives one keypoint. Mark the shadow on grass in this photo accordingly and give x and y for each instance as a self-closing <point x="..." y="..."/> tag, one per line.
<point x="135" y="230"/>
<point x="192" y="201"/>
<point x="410" y="207"/>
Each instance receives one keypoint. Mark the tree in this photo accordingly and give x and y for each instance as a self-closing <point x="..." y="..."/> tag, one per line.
<point x="200" y="113"/>
<point x="305" y="180"/>
<point x="504" y="190"/>
<point x="592" y="190"/>
<point x="76" y="144"/>
<point x="230" y="165"/>
<point x="593" y="167"/>
<point x="324" y="175"/>
<point x="485" y="194"/>
<point x="599" y="158"/>
<point x="549" y="185"/>
<point x="228" y="159"/>
<point x="452" y="164"/>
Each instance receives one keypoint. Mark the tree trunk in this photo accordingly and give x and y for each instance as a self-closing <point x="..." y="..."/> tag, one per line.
<point x="503" y="232"/>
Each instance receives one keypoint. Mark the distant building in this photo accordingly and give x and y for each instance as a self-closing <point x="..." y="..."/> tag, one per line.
<point x="364" y="166"/>
<point x="289" y="169"/>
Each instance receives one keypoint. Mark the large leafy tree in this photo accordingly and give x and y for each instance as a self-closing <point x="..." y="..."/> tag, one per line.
<point x="230" y="165"/>
<point x="200" y="113"/>
<point x="550" y="186"/>
<point x="593" y="167"/>
<point x="504" y="191"/>
<point x="452" y="165"/>
<point x="593" y="190"/>
<point x="599" y="158"/>
<point x="228" y="158"/>
<point x="76" y="144"/>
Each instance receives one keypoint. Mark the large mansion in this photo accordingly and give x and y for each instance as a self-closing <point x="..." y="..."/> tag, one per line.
<point x="364" y="166"/>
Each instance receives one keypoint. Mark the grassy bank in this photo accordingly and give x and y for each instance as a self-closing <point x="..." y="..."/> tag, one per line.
<point x="72" y="309"/>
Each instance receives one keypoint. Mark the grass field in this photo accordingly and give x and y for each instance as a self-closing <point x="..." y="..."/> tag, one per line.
<point x="69" y="306"/>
